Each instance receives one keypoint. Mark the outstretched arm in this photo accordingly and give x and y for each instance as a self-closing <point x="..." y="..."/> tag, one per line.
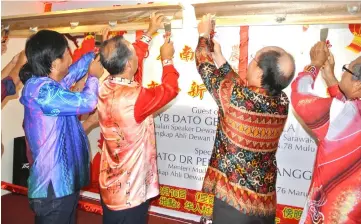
<point x="206" y="62"/>
<point x="141" y="46"/>
<point x="54" y="100"/>
<point x="77" y="70"/>
<point x="312" y="109"/>
<point x="151" y="100"/>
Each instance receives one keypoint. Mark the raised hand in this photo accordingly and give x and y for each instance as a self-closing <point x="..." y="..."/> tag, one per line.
<point x="205" y="26"/>
<point x="105" y="33"/>
<point x="167" y="50"/>
<point x="96" y="68"/>
<point x="156" y="22"/>
<point x="319" y="54"/>
<point x="328" y="73"/>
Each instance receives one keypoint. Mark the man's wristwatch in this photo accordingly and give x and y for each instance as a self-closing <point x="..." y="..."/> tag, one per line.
<point x="166" y="62"/>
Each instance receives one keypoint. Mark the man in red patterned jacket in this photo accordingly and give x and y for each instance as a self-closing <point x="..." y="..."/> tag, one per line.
<point x="128" y="168"/>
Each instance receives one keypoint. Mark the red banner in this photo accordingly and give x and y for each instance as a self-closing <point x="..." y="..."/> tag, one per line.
<point x="185" y="200"/>
<point x="286" y="214"/>
<point x="179" y="199"/>
<point x="199" y="203"/>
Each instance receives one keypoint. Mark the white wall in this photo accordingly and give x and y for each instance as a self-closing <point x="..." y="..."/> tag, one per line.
<point x="12" y="112"/>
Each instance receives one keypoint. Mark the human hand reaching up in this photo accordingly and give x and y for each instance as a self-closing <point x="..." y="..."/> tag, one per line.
<point x="96" y="68"/>
<point x="167" y="50"/>
<point x="205" y="26"/>
<point x="319" y="54"/>
<point x="156" y="22"/>
<point x="105" y="33"/>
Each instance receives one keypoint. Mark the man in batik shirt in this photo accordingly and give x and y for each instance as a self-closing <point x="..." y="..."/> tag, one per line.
<point x="335" y="191"/>
<point x="128" y="169"/>
<point x="57" y="141"/>
<point x="242" y="171"/>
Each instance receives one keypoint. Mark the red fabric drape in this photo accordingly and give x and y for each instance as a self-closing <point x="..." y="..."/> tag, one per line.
<point x="243" y="52"/>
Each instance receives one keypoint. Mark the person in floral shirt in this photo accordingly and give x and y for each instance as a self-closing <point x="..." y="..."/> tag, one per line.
<point x="252" y="114"/>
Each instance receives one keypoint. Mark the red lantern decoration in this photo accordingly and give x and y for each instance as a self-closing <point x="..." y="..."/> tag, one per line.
<point x="355" y="45"/>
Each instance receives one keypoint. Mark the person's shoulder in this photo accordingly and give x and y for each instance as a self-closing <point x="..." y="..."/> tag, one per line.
<point x="35" y="84"/>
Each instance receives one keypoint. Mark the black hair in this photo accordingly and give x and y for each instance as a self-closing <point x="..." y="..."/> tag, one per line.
<point x="41" y="50"/>
<point x="274" y="80"/>
<point x="114" y="61"/>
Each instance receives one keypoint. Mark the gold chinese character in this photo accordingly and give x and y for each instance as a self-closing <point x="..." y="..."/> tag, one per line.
<point x="204" y="198"/>
<point x="189" y="206"/>
<point x="163" y="201"/>
<point x="187" y="54"/>
<point x="297" y="213"/>
<point x="207" y="210"/>
<point x="197" y="90"/>
<point x="288" y="213"/>
<point x="278" y="220"/>
<point x="153" y="84"/>
<point x="235" y="53"/>
<point x="174" y="193"/>
<point x="164" y="191"/>
<point x="174" y="203"/>
<point x="198" y="209"/>
<point x="182" y="192"/>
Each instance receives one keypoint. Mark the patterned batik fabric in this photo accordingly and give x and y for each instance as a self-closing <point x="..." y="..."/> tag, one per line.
<point x="335" y="193"/>
<point x="242" y="169"/>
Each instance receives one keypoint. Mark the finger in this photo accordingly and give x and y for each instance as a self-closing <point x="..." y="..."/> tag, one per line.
<point x="332" y="59"/>
<point x="167" y="39"/>
<point x="160" y="19"/>
<point x="318" y="46"/>
<point x="326" y="50"/>
<point x="152" y="15"/>
<point x="209" y="16"/>
<point x="159" y="15"/>
<point x="327" y="62"/>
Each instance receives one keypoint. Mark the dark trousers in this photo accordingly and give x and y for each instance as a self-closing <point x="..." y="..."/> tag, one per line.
<point x="223" y="213"/>
<point x="52" y="210"/>
<point x="135" y="215"/>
